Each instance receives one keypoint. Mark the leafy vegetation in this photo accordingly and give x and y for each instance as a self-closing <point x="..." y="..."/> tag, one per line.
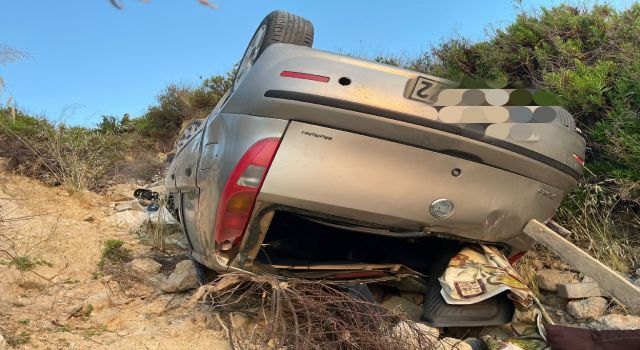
<point x="590" y="58"/>
<point x="114" y="251"/>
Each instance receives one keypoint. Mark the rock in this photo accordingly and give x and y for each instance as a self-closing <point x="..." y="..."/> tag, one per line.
<point x="549" y="279"/>
<point x="637" y="282"/>
<point x="123" y="206"/>
<point x="616" y="322"/>
<point x="3" y="343"/>
<point x="89" y="218"/>
<point x="637" y="272"/>
<point x="591" y="307"/>
<point x="121" y="192"/>
<point x="97" y="301"/>
<point x="182" y="278"/>
<point x="476" y="343"/>
<point x="452" y="344"/>
<point x="579" y="290"/>
<point x="146" y="265"/>
<point x="106" y="316"/>
<point x="588" y="279"/>
<point x="408" y="307"/>
<point x="403" y="331"/>
<point x="554" y="301"/>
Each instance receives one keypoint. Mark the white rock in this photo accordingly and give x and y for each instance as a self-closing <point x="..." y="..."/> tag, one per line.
<point x="617" y="322"/>
<point x="3" y="343"/>
<point x="452" y="344"/>
<point x="123" y="206"/>
<point x="548" y="279"/>
<point x="97" y="301"/>
<point x="146" y="265"/>
<point x="182" y="278"/>
<point x="591" y="307"/>
<point x="408" y="307"/>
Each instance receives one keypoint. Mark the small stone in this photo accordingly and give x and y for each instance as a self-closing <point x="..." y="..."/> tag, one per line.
<point x="475" y="343"/>
<point x="617" y="322"/>
<point x="3" y="342"/>
<point x="405" y="332"/>
<point x="146" y="265"/>
<point x="106" y="316"/>
<point x="452" y="344"/>
<point x="97" y="301"/>
<point x="587" y="308"/>
<point x="123" y="333"/>
<point x="579" y="290"/>
<point x="554" y="301"/>
<point x="182" y="278"/>
<point x="549" y="279"/>
<point x="637" y="272"/>
<point x="89" y="218"/>
<point x="107" y="278"/>
<point x="588" y="279"/>
<point x="408" y="307"/>
<point x="637" y="282"/>
<point x="123" y="206"/>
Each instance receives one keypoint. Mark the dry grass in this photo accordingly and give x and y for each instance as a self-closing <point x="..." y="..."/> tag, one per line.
<point x="603" y="219"/>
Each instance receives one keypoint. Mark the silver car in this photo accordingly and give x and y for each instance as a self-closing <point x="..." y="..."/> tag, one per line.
<point x="320" y="165"/>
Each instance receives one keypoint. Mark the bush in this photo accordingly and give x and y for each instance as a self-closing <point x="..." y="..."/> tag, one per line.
<point x="114" y="251"/>
<point x="590" y="58"/>
<point x="178" y="105"/>
<point x="77" y="158"/>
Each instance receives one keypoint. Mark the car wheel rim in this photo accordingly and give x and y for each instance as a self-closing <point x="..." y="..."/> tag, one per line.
<point x="251" y="54"/>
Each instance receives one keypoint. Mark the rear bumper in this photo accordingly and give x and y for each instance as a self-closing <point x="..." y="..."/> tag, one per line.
<point x="377" y="103"/>
<point x="370" y="180"/>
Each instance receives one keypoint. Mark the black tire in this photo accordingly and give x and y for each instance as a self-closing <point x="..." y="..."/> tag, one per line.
<point x="279" y="27"/>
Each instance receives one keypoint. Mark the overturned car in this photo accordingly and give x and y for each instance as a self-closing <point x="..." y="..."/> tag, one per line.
<point x="324" y="166"/>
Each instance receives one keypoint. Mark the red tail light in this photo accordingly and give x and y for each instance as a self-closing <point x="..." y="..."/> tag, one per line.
<point x="307" y="76"/>
<point x="240" y="192"/>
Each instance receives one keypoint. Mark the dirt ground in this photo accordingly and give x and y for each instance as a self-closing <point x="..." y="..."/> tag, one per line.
<point x="49" y="307"/>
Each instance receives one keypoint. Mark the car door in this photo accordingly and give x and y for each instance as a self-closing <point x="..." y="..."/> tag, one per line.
<point x="185" y="174"/>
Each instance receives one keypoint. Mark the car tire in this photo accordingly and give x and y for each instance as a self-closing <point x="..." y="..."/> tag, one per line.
<point x="277" y="27"/>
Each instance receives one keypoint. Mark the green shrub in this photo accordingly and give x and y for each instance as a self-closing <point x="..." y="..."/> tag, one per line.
<point x="113" y="251"/>
<point x="590" y="58"/>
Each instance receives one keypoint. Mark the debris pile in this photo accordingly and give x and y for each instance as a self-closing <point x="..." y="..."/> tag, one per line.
<point x="572" y="299"/>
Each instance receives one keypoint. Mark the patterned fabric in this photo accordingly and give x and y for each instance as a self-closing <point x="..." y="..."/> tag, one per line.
<point x="480" y="272"/>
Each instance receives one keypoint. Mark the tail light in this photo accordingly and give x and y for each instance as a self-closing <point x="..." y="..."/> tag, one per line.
<point x="239" y="194"/>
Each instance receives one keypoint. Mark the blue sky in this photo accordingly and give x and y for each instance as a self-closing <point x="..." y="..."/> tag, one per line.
<point x="88" y="59"/>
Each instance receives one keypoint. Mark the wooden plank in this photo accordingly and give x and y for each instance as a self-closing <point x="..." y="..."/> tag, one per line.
<point x="610" y="281"/>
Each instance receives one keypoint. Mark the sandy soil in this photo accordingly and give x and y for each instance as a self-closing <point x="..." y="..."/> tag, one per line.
<point x="64" y="235"/>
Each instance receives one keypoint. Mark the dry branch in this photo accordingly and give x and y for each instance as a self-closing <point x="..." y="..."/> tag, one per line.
<point x="305" y="314"/>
